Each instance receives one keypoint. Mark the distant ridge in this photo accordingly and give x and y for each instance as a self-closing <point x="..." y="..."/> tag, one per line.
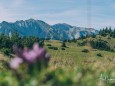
<point x="41" y="29"/>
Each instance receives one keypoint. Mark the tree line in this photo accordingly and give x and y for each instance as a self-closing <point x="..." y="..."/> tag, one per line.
<point x="7" y="42"/>
<point x="107" y="31"/>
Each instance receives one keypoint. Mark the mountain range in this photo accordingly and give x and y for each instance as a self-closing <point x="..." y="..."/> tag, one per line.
<point x="41" y="29"/>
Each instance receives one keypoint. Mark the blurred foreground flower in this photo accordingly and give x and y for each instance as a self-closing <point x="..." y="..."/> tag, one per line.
<point x="14" y="64"/>
<point x="29" y="56"/>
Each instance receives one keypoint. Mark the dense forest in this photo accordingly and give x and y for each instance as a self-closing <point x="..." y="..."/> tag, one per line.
<point x="7" y="43"/>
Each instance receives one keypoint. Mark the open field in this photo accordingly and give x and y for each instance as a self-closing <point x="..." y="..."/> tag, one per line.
<point x="80" y="68"/>
<point x="94" y="66"/>
<point x="74" y="56"/>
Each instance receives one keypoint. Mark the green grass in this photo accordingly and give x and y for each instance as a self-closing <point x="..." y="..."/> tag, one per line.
<point x="84" y="69"/>
<point x="74" y="56"/>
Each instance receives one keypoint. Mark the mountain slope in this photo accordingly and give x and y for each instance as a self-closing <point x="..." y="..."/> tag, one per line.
<point x="41" y="29"/>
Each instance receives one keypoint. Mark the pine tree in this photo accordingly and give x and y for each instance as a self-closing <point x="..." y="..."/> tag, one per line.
<point x="15" y="38"/>
<point x="114" y="33"/>
<point x="106" y="30"/>
<point x="63" y="44"/>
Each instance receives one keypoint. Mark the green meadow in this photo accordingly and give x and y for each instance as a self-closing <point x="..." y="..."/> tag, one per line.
<point x="70" y="66"/>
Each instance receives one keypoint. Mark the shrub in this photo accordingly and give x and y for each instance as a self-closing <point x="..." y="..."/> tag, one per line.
<point x="6" y="51"/>
<point x="109" y="38"/>
<point x="62" y="48"/>
<point x="99" y="54"/>
<point x="93" y="36"/>
<point x="85" y="50"/>
<point x="49" y="45"/>
<point x="112" y="50"/>
<point x="63" y="44"/>
<point x="83" y="43"/>
<point x="54" y="48"/>
<point x="100" y="44"/>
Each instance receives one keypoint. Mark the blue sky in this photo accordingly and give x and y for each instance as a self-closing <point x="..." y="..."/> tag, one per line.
<point x="98" y="14"/>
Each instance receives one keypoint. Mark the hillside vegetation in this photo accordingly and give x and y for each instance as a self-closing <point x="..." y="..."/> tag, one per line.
<point x="84" y="62"/>
<point x="94" y="63"/>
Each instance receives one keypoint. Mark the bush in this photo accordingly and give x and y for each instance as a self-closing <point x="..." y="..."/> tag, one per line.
<point x="49" y="45"/>
<point x="109" y="38"/>
<point x="112" y="50"/>
<point x="99" y="54"/>
<point x="6" y="51"/>
<point x="54" y="48"/>
<point x="62" y="48"/>
<point x="85" y="50"/>
<point x="83" y="43"/>
<point x="63" y="44"/>
<point x="100" y="44"/>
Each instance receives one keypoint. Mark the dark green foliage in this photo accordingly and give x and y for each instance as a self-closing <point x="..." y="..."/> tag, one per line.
<point x="74" y="40"/>
<point x="112" y="50"/>
<point x="62" y="48"/>
<point x="85" y="50"/>
<point x="6" y="42"/>
<point x="63" y="44"/>
<point x="87" y="36"/>
<point x="41" y="43"/>
<point x="27" y="41"/>
<point x="82" y="37"/>
<point x="100" y="44"/>
<point x="93" y="36"/>
<point x="83" y="43"/>
<point x="6" y="51"/>
<point x="99" y="54"/>
<point x="15" y="39"/>
<point x="53" y="76"/>
<point x="113" y="35"/>
<point x="49" y="45"/>
<point x="107" y="31"/>
<point x="54" y="48"/>
<point x="109" y="38"/>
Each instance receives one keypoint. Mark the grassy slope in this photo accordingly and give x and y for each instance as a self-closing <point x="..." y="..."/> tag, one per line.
<point x="89" y="66"/>
<point x="73" y="56"/>
<point x="83" y="68"/>
<point x="2" y="59"/>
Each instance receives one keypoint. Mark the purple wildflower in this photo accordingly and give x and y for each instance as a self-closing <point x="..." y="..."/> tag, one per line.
<point x="36" y="53"/>
<point x="15" y="62"/>
<point x="29" y="55"/>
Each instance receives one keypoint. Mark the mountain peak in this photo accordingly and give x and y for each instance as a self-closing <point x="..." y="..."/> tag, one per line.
<point x="41" y="29"/>
<point x="4" y="22"/>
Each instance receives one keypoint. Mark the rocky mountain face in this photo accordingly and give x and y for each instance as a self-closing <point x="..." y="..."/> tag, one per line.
<point x="38" y="28"/>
